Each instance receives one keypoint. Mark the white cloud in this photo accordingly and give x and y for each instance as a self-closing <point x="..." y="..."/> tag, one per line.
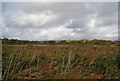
<point x="60" y="21"/>
<point x="36" y="20"/>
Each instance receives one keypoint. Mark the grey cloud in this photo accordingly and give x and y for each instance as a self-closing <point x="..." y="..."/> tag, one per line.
<point x="58" y="21"/>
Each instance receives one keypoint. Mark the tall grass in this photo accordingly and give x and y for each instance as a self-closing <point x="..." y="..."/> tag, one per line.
<point x="59" y="62"/>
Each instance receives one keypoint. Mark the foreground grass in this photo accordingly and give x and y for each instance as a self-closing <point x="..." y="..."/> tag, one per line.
<point x="60" y="62"/>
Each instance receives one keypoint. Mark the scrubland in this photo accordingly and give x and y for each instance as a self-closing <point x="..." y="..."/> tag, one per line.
<point x="74" y="61"/>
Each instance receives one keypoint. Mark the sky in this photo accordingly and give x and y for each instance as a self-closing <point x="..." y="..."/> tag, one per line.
<point x="60" y="20"/>
<point x="0" y="20"/>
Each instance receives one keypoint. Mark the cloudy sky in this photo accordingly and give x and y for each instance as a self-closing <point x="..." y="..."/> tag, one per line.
<point x="60" y="20"/>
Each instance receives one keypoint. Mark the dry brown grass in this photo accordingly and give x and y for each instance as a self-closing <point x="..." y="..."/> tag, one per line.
<point x="51" y="61"/>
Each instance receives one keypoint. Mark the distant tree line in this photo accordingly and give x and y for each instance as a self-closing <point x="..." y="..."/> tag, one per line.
<point x="65" y="42"/>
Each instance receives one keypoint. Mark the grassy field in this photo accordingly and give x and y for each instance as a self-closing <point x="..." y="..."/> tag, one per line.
<point x="60" y="61"/>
